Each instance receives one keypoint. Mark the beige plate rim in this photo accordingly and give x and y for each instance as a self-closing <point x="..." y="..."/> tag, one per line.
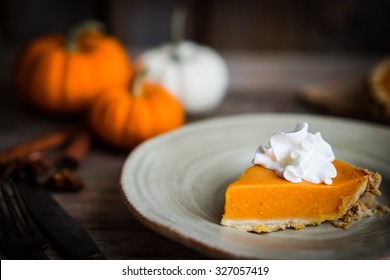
<point x="168" y="185"/>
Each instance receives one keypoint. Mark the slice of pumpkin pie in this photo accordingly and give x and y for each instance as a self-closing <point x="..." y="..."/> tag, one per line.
<point x="296" y="182"/>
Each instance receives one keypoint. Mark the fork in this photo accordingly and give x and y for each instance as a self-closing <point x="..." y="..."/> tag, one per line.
<point x="19" y="236"/>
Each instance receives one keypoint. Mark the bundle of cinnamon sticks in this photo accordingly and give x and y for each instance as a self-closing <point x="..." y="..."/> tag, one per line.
<point x="59" y="174"/>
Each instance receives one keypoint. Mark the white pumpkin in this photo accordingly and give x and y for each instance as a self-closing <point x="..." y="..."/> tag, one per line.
<point x="196" y="74"/>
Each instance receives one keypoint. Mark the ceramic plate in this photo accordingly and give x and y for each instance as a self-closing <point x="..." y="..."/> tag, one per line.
<point x="175" y="185"/>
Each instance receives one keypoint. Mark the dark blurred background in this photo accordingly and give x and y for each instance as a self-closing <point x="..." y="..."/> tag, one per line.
<point x="358" y="26"/>
<point x="274" y="49"/>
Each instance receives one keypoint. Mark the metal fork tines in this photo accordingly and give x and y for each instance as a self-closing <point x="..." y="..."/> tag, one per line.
<point x="19" y="236"/>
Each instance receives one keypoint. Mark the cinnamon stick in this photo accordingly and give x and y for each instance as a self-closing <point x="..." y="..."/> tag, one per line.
<point x="76" y="151"/>
<point x="40" y="143"/>
<point x="37" y="162"/>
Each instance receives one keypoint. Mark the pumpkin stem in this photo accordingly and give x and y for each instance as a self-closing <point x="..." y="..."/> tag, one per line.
<point x="77" y="31"/>
<point x="138" y="81"/>
<point x="177" y="30"/>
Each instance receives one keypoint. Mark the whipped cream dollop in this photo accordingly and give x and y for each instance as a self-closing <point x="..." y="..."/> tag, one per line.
<point x="298" y="155"/>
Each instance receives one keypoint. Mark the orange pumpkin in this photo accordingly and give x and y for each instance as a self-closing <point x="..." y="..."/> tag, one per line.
<point x="64" y="75"/>
<point x="125" y="117"/>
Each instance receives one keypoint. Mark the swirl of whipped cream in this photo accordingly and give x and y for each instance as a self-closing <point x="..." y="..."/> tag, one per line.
<point x="298" y="155"/>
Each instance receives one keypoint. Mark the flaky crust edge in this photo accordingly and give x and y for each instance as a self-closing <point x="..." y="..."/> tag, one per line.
<point x="366" y="205"/>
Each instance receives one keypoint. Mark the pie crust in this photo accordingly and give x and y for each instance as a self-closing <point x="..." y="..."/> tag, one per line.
<point x="260" y="201"/>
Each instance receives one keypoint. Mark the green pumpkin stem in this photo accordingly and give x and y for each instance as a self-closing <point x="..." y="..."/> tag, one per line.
<point x="77" y="31"/>
<point x="178" y="23"/>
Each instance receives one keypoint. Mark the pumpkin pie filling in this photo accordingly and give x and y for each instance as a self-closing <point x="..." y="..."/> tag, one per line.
<point x="261" y="201"/>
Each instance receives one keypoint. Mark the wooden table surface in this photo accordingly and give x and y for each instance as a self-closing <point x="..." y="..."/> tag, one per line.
<point x="259" y="83"/>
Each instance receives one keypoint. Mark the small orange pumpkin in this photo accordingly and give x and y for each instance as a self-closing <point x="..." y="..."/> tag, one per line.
<point x="64" y="75"/>
<point x="126" y="117"/>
